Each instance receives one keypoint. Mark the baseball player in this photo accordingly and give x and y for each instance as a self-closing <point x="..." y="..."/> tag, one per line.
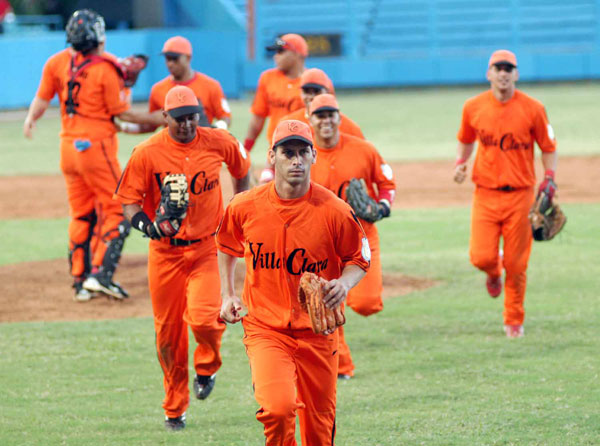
<point x="314" y="82"/>
<point x="282" y="229"/>
<point x="178" y="55"/>
<point x="183" y="273"/>
<point x="278" y="91"/>
<point x="340" y="158"/>
<point x="91" y="94"/>
<point x="506" y="122"/>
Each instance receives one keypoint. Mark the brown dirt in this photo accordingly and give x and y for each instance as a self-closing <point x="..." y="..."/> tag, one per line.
<point x="41" y="290"/>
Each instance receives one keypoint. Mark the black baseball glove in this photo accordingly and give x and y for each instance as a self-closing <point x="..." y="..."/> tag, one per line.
<point x="363" y="205"/>
<point x="172" y="208"/>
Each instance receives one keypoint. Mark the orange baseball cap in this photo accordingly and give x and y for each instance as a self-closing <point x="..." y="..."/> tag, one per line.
<point x="177" y="45"/>
<point x="289" y="130"/>
<point x="180" y="101"/>
<point x="503" y="56"/>
<point x="292" y="42"/>
<point x="316" y="78"/>
<point x="324" y="102"/>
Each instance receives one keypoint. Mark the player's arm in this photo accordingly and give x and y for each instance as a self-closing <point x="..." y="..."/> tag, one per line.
<point x="36" y="110"/>
<point x="146" y="121"/>
<point x="337" y="289"/>
<point x="242" y="184"/>
<point x="463" y="153"/>
<point x="254" y="128"/>
<point x="232" y="309"/>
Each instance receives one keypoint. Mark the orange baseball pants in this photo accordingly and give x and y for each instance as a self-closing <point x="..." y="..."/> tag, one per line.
<point x="91" y="177"/>
<point x="364" y="298"/>
<point x="499" y="213"/>
<point x="185" y="290"/>
<point x="293" y="372"/>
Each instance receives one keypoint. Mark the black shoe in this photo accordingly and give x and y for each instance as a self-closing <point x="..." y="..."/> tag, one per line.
<point x="203" y="385"/>
<point x="344" y="376"/>
<point x="175" y="424"/>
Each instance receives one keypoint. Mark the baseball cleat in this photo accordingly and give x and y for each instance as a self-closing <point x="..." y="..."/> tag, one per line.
<point x="494" y="286"/>
<point x="98" y="283"/>
<point x="514" y="331"/>
<point x="81" y="294"/>
<point x="203" y="385"/>
<point x="176" y="423"/>
<point x="344" y="376"/>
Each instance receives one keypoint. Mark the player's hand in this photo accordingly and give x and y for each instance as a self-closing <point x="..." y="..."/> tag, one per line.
<point x="336" y="293"/>
<point x="232" y="309"/>
<point x="28" y="128"/>
<point x="460" y="173"/>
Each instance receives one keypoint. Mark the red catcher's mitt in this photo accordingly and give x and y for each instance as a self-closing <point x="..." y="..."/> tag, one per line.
<point x="131" y="67"/>
<point x="310" y="296"/>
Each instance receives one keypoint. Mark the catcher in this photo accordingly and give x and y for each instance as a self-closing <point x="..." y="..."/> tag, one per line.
<point x="170" y="192"/>
<point x="284" y="229"/>
<point x="353" y="169"/>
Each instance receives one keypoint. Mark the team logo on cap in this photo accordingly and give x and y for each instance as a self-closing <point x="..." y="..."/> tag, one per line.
<point x="180" y="96"/>
<point x="293" y="127"/>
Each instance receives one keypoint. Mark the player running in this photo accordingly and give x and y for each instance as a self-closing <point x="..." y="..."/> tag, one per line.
<point x="283" y="228"/>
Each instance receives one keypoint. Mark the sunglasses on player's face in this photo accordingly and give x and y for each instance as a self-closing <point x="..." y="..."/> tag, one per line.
<point x="280" y="50"/>
<point x="504" y="67"/>
<point x="171" y="58"/>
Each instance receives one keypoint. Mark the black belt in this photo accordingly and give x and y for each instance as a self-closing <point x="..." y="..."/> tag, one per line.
<point x="506" y="188"/>
<point x="181" y="242"/>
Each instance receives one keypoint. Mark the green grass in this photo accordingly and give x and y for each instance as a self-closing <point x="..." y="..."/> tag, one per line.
<point x="433" y="368"/>
<point x="404" y="124"/>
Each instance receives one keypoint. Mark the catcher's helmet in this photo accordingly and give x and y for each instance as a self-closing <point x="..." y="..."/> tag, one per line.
<point x="85" y="30"/>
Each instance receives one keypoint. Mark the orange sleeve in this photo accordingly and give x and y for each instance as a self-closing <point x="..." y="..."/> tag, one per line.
<point x="235" y="156"/>
<point x="219" y="102"/>
<point x="383" y="175"/>
<point x="351" y="127"/>
<point x="543" y="132"/>
<point x="260" y="105"/>
<point x="230" y="238"/>
<point x="466" y="133"/>
<point x="115" y="94"/>
<point x="46" y="88"/>
<point x="154" y="99"/>
<point x="132" y="185"/>
<point x="352" y="245"/>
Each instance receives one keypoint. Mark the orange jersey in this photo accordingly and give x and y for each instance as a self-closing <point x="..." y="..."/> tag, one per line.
<point x="200" y="161"/>
<point x="347" y="125"/>
<point x="276" y="96"/>
<point x="98" y="94"/>
<point x="353" y="158"/>
<point x="207" y="90"/>
<point x="506" y="133"/>
<point x="280" y="239"/>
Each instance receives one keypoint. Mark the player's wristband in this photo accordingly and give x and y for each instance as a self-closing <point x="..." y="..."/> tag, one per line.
<point x="221" y="124"/>
<point x="141" y="221"/>
<point x="459" y="160"/>
<point x="249" y="143"/>
<point x="549" y="174"/>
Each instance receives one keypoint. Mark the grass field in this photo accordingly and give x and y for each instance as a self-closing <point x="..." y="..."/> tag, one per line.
<point x="434" y="368"/>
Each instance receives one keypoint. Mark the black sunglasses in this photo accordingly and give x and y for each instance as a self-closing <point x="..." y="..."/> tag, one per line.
<point x="280" y="50"/>
<point x="504" y="67"/>
<point x="171" y="58"/>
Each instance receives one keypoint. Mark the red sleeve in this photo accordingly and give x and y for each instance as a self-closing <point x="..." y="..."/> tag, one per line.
<point x="466" y="133"/>
<point x="543" y="131"/>
<point x="235" y="156"/>
<point x="260" y="105"/>
<point x="133" y="185"/>
<point x="46" y="88"/>
<point x="352" y="245"/>
<point x="230" y="238"/>
<point x="116" y="96"/>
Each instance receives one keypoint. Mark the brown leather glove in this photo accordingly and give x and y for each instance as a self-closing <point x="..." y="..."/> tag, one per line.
<point x="310" y="295"/>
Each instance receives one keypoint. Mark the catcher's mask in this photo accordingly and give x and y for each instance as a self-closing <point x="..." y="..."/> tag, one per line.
<point x="85" y="30"/>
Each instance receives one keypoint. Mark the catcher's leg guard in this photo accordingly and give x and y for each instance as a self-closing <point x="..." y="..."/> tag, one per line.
<point x="82" y="228"/>
<point x="114" y="249"/>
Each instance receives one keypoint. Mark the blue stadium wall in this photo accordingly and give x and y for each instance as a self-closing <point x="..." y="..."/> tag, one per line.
<point x="381" y="43"/>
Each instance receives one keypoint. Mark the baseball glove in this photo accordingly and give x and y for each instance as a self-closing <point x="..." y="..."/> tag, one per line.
<point x="173" y="205"/>
<point x="546" y="218"/>
<point x="131" y="67"/>
<point x="310" y="295"/>
<point x="359" y="200"/>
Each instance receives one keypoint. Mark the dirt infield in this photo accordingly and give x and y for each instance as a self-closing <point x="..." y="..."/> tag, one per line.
<point x="41" y="290"/>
